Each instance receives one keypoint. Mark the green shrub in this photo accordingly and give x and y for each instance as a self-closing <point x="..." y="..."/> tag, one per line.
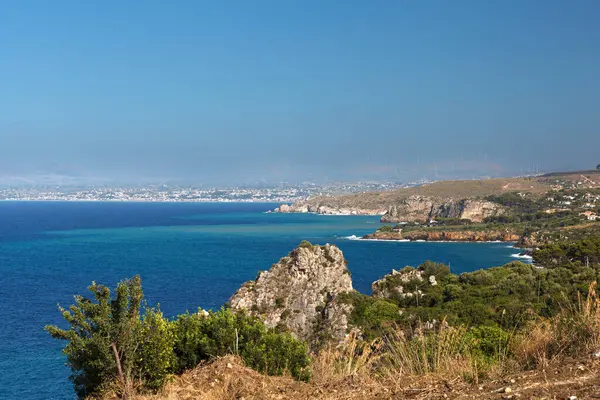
<point x="113" y="342"/>
<point x="306" y="244"/>
<point x="373" y="316"/>
<point x="380" y="312"/>
<point x="439" y="270"/>
<point x="156" y="358"/>
<point x="277" y="353"/>
<point x="386" y="228"/>
<point x="490" y="342"/>
<point x="200" y="337"/>
<point x="108" y="342"/>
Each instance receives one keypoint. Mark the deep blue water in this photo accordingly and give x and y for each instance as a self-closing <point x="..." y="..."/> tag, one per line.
<point x="188" y="255"/>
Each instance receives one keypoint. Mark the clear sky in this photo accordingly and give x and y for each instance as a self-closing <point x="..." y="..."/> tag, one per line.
<point x="237" y="91"/>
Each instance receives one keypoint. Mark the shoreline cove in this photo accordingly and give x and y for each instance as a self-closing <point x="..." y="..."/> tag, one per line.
<point x="526" y="258"/>
<point x="354" y="237"/>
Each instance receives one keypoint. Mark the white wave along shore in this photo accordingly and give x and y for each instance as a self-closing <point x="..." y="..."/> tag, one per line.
<point x="521" y="256"/>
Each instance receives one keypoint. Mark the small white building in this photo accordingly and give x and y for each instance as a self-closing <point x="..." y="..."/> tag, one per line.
<point x="590" y="215"/>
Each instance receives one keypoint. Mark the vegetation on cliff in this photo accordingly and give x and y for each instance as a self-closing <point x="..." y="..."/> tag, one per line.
<point x="418" y="321"/>
<point x="122" y="345"/>
<point x="507" y="297"/>
<point x="531" y="220"/>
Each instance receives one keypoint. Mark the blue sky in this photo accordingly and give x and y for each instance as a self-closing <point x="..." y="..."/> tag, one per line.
<point x="237" y="91"/>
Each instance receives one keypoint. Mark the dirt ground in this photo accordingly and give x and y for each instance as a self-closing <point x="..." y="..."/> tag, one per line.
<point x="227" y="378"/>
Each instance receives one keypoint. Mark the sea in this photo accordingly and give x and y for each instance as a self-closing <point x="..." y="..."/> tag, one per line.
<point x="189" y="255"/>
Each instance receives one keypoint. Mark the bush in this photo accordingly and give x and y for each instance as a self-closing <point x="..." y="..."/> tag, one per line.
<point x="112" y="342"/>
<point x="489" y="342"/>
<point x="202" y="337"/>
<point x="439" y="270"/>
<point x="103" y="340"/>
<point x="380" y="312"/>
<point x="453" y="221"/>
<point x="156" y="358"/>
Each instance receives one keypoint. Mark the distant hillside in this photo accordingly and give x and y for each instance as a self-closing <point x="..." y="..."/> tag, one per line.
<point x="573" y="174"/>
<point x="462" y="189"/>
<point x="442" y="189"/>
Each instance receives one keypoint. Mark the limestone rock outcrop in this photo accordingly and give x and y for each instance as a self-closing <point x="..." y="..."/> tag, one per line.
<point x="327" y="210"/>
<point x="423" y="208"/>
<point x="300" y="293"/>
<point x="409" y="282"/>
<point x="478" y="210"/>
<point x="392" y="284"/>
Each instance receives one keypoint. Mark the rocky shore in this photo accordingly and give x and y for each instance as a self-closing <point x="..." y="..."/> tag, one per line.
<point x="411" y="209"/>
<point x="327" y="210"/>
<point x="447" y="236"/>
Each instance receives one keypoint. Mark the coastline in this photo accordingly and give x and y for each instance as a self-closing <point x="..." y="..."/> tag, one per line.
<point x="135" y="201"/>
<point x="524" y="255"/>
<point x="354" y="237"/>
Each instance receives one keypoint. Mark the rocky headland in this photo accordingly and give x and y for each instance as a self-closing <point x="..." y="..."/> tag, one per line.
<point x="448" y="236"/>
<point x="300" y="293"/>
<point x="411" y="209"/>
<point x="444" y="195"/>
<point x="306" y="207"/>
<point x="424" y="208"/>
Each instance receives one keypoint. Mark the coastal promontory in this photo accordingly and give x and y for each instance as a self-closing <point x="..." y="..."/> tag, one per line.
<point x="300" y="293"/>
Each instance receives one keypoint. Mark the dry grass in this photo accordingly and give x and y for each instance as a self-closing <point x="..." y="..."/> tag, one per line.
<point x="444" y="352"/>
<point x="573" y="332"/>
<point x="354" y="358"/>
<point x="441" y="189"/>
<point x="226" y="379"/>
<point x="420" y="367"/>
<point x="395" y="359"/>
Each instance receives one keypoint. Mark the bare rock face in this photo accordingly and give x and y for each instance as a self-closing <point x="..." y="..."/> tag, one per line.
<point x="412" y="209"/>
<point x="392" y="283"/>
<point x="300" y="293"/>
<point x="409" y="282"/>
<point x="423" y="208"/>
<point x="304" y="207"/>
<point x="294" y="208"/>
<point x="478" y="210"/>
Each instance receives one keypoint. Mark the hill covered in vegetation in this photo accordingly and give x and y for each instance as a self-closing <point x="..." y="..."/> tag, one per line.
<point x="531" y="220"/>
<point x="419" y="324"/>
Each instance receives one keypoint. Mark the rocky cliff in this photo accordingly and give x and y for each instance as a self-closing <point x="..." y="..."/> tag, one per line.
<point x="448" y="236"/>
<point x="423" y="208"/>
<point x="378" y="203"/>
<point x="300" y="293"/>
<point x="328" y="210"/>
<point x="393" y="284"/>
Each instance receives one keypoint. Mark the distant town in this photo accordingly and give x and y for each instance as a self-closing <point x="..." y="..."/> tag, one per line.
<point x="280" y="193"/>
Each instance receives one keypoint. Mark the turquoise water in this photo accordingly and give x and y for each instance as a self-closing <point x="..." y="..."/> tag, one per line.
<point x="188" y="255"/>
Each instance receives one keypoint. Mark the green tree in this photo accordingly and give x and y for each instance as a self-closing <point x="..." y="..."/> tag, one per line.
<point x="108" y="342"/>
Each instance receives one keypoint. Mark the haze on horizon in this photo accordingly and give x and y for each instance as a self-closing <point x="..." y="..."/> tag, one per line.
<point x="238" y="91"/>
